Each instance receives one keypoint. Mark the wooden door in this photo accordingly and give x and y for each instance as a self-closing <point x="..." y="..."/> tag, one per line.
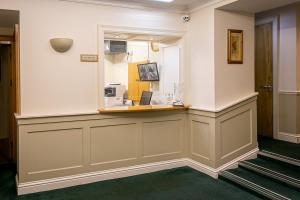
<point x="135" y="86"/>
<point x="264" y="78"/>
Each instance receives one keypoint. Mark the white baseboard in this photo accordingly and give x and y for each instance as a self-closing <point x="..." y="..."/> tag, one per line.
<point x="202" y="168"/>
<point x="234" y="163"/>
<point x="289" y="137"/>
<point x="230" y="165"/>
<point x="81" y="179"/>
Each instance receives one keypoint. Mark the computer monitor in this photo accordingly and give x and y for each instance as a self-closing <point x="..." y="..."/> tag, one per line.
<point x="148" y="72"/>
<point x="146" y="98"/>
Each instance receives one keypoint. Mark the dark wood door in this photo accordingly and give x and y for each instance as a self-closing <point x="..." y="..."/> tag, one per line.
<point x="264" y="78"/>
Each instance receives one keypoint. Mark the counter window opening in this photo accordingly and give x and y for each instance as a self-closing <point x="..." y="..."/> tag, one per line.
<point x="134" y="64"/>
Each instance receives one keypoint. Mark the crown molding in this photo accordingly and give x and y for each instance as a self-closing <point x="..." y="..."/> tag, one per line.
<point x="130" y="6"/>
<point x="153" y="8"/>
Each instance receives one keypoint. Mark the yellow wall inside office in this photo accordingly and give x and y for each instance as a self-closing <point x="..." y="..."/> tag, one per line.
<point x="135" y="86"/>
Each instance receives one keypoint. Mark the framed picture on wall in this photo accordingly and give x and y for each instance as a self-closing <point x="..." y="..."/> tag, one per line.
<point x="235" y="46"/>
<point x="148" y="72"/>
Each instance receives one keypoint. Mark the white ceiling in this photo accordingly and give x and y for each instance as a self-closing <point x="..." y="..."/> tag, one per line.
<point x="256" y="6"/>
<point x="176" y="5"/>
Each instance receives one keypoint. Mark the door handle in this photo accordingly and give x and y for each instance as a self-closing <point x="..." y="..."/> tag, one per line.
<point x="267" y="87"/>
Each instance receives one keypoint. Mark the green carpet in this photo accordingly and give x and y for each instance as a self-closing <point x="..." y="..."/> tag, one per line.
<point x="267" y="183"/>
<point x="7" y="182"/>
<point x="280" y="147"/>
<point x="277" y="166"/>
<point x="176" y="184"/>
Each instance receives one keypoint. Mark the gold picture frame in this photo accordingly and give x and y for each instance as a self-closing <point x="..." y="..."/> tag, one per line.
<point x="235" y="46"/>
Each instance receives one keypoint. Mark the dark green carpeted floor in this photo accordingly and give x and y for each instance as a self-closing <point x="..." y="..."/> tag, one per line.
<point x="176" y="184"/>
<point x="279" y="147"/>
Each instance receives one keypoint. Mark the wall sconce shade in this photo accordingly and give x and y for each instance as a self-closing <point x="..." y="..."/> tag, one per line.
<point x="61" y="44"/>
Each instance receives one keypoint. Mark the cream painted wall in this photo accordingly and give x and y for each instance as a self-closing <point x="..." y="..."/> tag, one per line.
<point x="213" y="83"/>
<point x="233" y="81"/>
<point x="53" y="83"/>
<point x="288" y="45"/>
<point x="201" y="58"/>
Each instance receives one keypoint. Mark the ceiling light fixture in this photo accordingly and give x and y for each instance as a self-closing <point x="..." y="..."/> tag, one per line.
<point x="164" y="1"/>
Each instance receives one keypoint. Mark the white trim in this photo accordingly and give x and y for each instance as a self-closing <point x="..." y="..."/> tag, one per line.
<point x="289" y="137"/>
<point x="18" y="117"/>
<point x="69" y="181"/>
<point x="289" y="92"/>
<point x="230" y="165"/>
<point x="129" y="6"/>
<point x="141" y="30"/>
<point x="211" y="3"/>
<point x="203" y="168"/>
<point x="222" y="108"/>
<point x="234" y="163"/>
<point x="177" y="10"/>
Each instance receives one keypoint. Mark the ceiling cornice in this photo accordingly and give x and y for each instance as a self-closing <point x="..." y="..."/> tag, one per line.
<point x="211" y="3"/>
<point x="131" y="6"/>
<point x="146" y="7"/>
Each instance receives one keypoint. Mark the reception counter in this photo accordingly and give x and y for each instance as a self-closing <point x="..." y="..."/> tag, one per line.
<point x="61" y="151"/>
<point x="148" y="108"/>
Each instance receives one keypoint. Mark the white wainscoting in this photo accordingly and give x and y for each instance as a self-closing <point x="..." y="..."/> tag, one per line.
<point x="63" y="151"/>
<point x="51" y="148"/>
<point x="218" y="138"/>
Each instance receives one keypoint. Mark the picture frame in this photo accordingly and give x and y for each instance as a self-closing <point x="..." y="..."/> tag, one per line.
<point x="148" y="72"/>
<point x="235" y="46"/>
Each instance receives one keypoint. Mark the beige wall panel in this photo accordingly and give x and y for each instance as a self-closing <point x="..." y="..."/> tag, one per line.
<point x="288" y="113"/>
<point x="162" y="138"/>
<point x="114" y="143"/>
<point x="69" y="145"/>
<point x="200" y="140"/>
<point x="53" y="151"/>
<point x="235" y="133"/>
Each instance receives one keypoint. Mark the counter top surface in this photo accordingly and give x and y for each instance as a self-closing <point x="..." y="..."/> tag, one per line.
<point x="150" y="108"/>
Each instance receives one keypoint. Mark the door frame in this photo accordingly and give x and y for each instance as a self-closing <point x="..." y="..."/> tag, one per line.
<point x="15" y="39"/>
<point x="275" y="22"/>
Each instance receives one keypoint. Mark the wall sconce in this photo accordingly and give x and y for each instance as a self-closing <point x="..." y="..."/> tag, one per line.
<point x="61" y="45"/>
